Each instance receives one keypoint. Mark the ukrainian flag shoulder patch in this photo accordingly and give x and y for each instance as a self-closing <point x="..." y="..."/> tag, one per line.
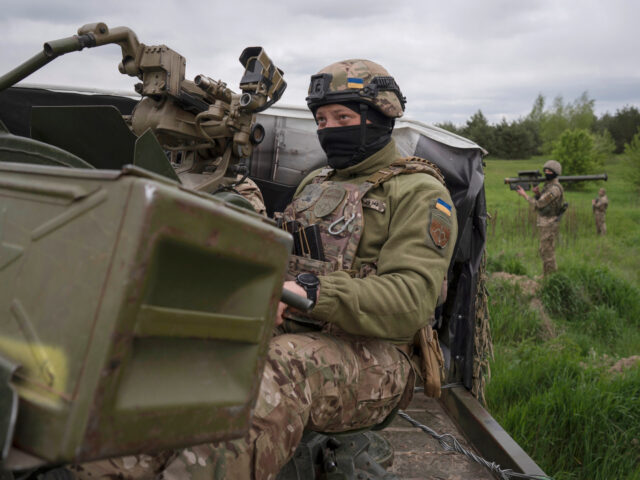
<point x="353" y="82"/>
<point x="444" y="207"/>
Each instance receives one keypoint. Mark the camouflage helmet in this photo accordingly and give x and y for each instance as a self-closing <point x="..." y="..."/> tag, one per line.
<point x="356" y="80"/>
<point x="554" y="166"/>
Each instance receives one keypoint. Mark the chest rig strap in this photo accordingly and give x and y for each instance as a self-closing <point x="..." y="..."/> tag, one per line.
<point x="398" y="167"/>
<point x="325" y="174"/>
<point x="403" y="166"/>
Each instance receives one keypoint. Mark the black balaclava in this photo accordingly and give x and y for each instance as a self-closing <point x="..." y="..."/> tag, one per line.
<point x="550" y="176"/>
<point x="347" y="146"/>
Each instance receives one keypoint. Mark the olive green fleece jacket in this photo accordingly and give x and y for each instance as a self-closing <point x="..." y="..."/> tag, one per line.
<point x="399" y="299"/>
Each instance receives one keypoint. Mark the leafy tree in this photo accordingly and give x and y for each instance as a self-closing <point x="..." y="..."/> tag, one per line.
<point x="553" y="123"/>
<point x="513" y="140"/>
<point x="575" y="150"/>
<point x="623" y="125"/>
<point x="533" y="122"/>
<point x="580" y="112"/>
<point x="540" y="131"/>
<point x="632" y="151"/>
<point x="537" y="111"/>
<point x="576" y="115"/>
<point x="534" y="141"/>
<point x="479" y="130"/>
<point x="603" y="146"/>
<point x="603" y="123"/>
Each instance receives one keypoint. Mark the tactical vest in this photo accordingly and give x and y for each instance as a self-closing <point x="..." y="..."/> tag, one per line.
<point x="556" y="206"/>
<point x="601" y="205"/>
<point x="337" y="209"/>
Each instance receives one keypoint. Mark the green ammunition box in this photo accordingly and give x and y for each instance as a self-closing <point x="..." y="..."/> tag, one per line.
<point x="138" y="312"/>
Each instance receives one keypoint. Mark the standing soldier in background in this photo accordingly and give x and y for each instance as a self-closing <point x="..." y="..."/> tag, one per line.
<point x="600" y="204"/>
<point x="549" y="204"/>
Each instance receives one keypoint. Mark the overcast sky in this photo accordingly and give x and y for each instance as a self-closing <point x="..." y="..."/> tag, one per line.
<point x="449" y="57"/>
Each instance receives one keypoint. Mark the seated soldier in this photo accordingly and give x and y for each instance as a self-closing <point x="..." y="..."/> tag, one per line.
<point x="388" y="227"/>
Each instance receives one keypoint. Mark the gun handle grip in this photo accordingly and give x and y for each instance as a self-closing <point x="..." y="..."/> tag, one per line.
<point x="296" y="301"/>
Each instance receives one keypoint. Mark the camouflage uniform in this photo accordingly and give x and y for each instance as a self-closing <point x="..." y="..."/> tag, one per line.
<point x="249" y="190"/>
<point x="354" y="371"/>
<point x="124" y="468"/>
<point x="600" y="204"/>
<point x="547" y="205"/>
<point x="321" y="381"/>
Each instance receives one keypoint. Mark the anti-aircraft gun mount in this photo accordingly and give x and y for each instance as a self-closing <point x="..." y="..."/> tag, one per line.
<point x="528" y="178"/>
<point x="127" y="286"/>
<point x="209" y="130"/>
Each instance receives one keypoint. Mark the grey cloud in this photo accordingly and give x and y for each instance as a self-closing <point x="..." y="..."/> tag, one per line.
<point x="337" y="9"/>
<point x="450" y="58"/>
<point x="63" y="11"/>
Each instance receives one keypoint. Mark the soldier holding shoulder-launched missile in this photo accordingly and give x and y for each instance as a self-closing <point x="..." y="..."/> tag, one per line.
<point x="549" y="204"/>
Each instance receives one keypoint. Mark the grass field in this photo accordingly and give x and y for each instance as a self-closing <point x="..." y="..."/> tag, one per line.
<point x="564" y="384"/>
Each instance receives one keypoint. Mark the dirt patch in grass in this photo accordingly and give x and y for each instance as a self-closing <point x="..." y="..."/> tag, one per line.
<point x="529" y="286"/>
<point x="625" y="363"/>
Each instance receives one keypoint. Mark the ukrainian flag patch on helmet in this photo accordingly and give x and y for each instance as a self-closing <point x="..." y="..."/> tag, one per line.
<point x="353" y="82"/>
<point x="444" y="207"/>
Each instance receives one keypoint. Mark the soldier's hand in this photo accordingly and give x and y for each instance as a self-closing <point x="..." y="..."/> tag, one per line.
<point x="520" y="191"/>
<point x="295" y="288"/>
<point x="536" y="190"/>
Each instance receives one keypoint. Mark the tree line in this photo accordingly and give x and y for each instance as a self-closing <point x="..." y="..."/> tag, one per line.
<point x="567" y="131"/>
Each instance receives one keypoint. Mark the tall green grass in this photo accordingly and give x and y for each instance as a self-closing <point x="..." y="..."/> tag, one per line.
<point x="557" y="397"/>
<point x="511" y="322"/>
<point x="551" y="387"/>
<point x="576" y="421"/>
<point x="506" y="262"/>
<point x="578" y="289"/>
<point x="601" y="310"/>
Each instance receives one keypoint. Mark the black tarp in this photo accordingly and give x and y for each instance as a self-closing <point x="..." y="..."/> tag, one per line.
<point x="16" y="104"/>
<point x="464" y="174"/>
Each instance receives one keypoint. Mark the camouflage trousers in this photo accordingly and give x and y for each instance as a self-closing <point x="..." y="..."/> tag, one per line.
<point x="318" y="381"/>
<point x="601" y="226"/>
<point x="548" y="235"/>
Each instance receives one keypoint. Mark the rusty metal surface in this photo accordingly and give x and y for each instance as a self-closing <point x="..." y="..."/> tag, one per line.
<point x="125" y="248"/>
<point x="419" y="456"/>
